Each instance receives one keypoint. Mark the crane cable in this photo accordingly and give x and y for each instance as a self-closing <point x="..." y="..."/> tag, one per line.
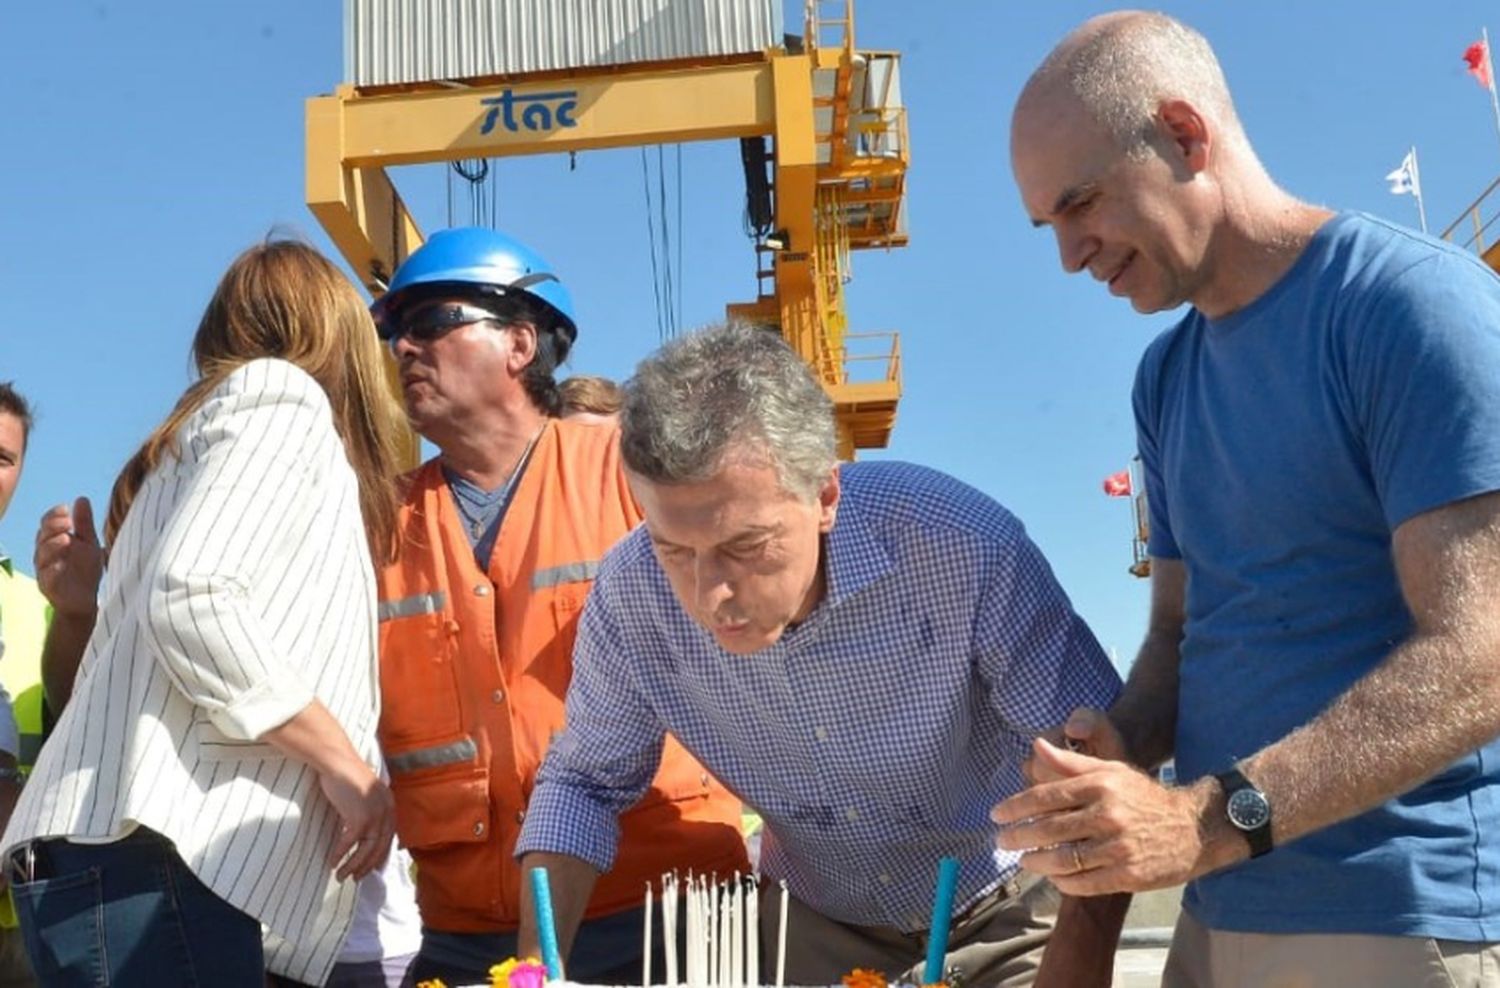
<point x="483" y="201"/>
<point x="661" y="333"/>
<point x="666" y="271"/>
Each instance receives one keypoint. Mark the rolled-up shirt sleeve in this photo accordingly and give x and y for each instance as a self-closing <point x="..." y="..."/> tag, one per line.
<point x="252" y="494"/>
<point x="606" y="757"/>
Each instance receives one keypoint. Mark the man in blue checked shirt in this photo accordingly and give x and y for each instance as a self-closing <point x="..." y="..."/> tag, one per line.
<point x="862" y="652"/>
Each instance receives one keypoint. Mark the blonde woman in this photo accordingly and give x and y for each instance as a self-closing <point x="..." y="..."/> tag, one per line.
<point x="212" y="771"/>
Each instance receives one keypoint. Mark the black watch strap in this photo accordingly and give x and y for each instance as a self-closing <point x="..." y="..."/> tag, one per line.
<point x="1248" y="809"/>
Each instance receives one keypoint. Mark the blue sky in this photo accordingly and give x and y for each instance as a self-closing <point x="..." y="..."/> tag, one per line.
<point x="148" y="142"/>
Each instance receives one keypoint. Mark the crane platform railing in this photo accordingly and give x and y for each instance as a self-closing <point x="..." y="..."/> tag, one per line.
<point x="1477" y="222"/>
<point x="880" y="132"/>
<point x="864" y="358"/>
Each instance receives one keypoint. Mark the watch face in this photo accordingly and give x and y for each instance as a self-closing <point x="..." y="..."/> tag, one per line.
<point x="1248" y="809"/>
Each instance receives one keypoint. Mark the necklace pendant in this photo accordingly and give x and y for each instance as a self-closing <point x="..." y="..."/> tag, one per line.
<point x="476" y="529"/>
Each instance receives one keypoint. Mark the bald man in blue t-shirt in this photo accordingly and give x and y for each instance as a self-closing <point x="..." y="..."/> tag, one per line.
<point x="1320" y="437"/>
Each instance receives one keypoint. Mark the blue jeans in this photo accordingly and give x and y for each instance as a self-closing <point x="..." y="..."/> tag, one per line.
<point x="129" y="913"/>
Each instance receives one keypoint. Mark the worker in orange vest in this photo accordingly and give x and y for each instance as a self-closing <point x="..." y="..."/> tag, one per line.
<point x="501" y="534"/>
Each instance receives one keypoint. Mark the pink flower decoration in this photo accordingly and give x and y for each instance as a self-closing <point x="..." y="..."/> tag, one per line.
<point x="528" y="974"/>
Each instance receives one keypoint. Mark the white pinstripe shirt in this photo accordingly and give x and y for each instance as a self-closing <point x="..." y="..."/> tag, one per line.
<point x="240" y="587"/>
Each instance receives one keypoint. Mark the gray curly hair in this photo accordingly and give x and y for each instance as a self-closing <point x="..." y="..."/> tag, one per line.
<point x="728" y="389"/>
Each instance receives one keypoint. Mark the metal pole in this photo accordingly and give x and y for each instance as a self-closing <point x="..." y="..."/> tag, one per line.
<point x="1416" y="188"/>
<point x="1489" y="65"/>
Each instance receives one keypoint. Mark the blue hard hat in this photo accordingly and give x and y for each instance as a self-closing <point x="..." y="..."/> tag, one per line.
<point x="473" y="261"/>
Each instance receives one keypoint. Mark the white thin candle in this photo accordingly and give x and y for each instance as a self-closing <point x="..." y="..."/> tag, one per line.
<point x="717" y="966"/>
<point x="752" y="924"/>
<point x="694" y="936"/>
<point x="738" y="939"/>
<point x="713" y="937"/>
<point x="781" y="941"/>
<point x="726" y="954"/>
<point x="706" y="935"/>
<point x="669" y="925"/>
<point x="726" y="942"/>
<point x="646" y="952"/>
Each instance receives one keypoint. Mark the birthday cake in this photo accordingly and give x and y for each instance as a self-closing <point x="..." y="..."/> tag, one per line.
<point x="713" y="930"/>
<point x="858" y="978"/>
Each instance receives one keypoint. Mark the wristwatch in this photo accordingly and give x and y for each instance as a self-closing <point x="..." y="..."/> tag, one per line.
<point x="1248" y="810"/>
<point x="10" y="773"/>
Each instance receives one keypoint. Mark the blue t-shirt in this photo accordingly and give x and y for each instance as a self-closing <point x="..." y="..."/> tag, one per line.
<point x="1282" y="446"/>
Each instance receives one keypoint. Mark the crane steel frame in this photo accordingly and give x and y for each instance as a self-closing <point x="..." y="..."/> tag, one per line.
<point x="355" y="133"/>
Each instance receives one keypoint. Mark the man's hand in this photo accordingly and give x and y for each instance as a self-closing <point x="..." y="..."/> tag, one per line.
<point x="1096" y="826"/>
<point x="69" y="560"/>
<point x="570" y="882"/>
<point x="1091" y="732"/>
<point x="69" y="565"/>
<point x="1088" y="731"/>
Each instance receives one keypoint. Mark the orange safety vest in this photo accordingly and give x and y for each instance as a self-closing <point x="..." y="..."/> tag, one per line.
<point x="474" y="668"/>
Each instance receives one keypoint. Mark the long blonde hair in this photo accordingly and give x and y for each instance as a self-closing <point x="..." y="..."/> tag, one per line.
<point x="283" y="299"/>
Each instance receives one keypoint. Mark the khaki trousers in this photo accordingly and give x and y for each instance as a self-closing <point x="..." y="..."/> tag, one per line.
<point x="1205" y="958"/>
<point x="997" y="942"/>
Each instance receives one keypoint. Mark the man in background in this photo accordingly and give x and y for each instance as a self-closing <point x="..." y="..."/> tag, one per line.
<point x="23" y="625"/>
<point x="501" y="535"/>
<point x="586" y="398"/>
<point x="1320" y="437"/>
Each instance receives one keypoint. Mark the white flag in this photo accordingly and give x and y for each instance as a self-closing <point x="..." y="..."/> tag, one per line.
<point x="1404" y="179"/>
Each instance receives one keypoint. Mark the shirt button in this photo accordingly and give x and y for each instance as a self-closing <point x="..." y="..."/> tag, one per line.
<point x="479" y="829"/>
<point x="821" y="733"/>
<point x="852" y="813"/>
<point x="481" y="589"/>
<point x="498" y="696"/>
<point x="885" y="879"/>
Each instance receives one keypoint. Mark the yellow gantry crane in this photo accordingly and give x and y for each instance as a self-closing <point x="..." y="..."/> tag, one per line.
<point x="839" y="158"/>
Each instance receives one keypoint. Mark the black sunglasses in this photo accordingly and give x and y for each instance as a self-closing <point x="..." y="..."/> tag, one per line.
<point x="425" y="323"/>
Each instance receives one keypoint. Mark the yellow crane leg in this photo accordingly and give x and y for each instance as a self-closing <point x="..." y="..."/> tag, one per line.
<point x="796" y="184"/>
<point x="358" y="207"/>
<point x="364" y="217"/>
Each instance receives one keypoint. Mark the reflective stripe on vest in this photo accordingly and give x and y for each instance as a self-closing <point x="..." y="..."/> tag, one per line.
<point x="566" y="573"/>
<point x="422" y="603"/>
<point x="443" y="754"/>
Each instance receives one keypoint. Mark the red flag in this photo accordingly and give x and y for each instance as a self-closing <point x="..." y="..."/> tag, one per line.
<point x="1477" y="56"/>
<point x="1118" y="484"/>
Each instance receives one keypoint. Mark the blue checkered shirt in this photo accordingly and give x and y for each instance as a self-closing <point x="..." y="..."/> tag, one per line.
<point x="874" y="737"/>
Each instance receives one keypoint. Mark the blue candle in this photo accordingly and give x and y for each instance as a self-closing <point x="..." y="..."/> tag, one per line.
<point x="546" y="929"/>
<point x="942" y="912"/>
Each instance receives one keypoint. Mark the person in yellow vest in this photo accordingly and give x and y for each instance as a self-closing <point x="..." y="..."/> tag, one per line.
<point x="23" y="625"/>
<point x="501" y="534"/>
